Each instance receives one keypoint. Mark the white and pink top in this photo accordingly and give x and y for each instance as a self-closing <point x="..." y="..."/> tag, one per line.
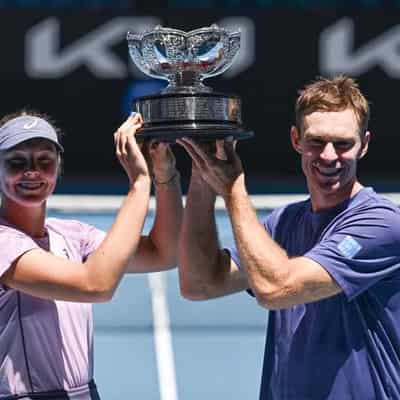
<point x="46" y="345"/>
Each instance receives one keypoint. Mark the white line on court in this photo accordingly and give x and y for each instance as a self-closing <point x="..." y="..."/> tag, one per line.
<point x="111" y="203"/>
<point x="162" y="337"/>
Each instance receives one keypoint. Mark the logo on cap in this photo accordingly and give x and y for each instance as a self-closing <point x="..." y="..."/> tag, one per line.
<point x="30" y="125"/>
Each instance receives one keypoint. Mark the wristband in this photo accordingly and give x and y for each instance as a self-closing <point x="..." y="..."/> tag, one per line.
<point x="169" y="180"/>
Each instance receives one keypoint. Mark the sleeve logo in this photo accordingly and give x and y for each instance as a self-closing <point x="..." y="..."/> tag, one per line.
<point x="349" y="247"/>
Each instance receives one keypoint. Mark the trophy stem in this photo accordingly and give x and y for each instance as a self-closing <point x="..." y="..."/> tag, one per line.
<point x="186" y="82"/>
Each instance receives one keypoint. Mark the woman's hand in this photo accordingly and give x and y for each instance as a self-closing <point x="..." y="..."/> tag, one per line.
<point x="161" y="161"/>
<point x="128" y="151"/>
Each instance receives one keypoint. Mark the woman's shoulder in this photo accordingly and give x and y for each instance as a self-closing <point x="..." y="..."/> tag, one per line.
<point x="65" y="222"/>
<point x="67" y="226"/>
<point x="74" y="229"/>
<point x="7" y="229"/>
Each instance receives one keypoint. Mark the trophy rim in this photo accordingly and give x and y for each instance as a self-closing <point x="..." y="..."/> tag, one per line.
<point x="160" y="29"/>
<point x="183" y="94"/>
<point x="199" y="131"/>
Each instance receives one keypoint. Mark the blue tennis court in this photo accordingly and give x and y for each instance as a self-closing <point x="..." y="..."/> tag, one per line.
<point x="152" y="344"/>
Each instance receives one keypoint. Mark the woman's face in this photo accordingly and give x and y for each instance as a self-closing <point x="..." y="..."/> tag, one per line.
<point x="29" y="171"/>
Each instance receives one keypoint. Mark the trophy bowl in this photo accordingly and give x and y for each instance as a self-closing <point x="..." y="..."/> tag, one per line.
<point x="187" y="107"/>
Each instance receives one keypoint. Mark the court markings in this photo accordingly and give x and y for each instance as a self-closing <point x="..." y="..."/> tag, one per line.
<point x="111" y="203"/>
<point x="163" y="338"/>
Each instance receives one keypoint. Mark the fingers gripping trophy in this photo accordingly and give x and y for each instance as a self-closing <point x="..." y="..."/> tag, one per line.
<point x="187" y="107"/>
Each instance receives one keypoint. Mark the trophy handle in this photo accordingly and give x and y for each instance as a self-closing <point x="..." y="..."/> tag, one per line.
<point x="230" y="54"/>
<point x="184" y="59"/>
<point x="135" y="42"/>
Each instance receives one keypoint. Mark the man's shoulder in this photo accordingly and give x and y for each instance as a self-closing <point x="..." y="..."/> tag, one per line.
<point x="292" y="208"/>
<point x="288" y="213"/>
<point x="368" y="201"/>
<point x="371" y="213"/>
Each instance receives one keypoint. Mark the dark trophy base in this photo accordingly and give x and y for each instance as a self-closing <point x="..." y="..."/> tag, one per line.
<point x="200" y="116"/>
<point x="198" y="131"/>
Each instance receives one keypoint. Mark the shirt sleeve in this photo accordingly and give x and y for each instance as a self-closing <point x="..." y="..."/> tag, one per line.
<point x="361" y="250"/>
<point x="13" y="244"/>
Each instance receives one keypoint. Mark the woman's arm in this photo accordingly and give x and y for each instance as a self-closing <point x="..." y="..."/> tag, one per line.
<point x="44" y="275"/>
<point x="158" y="250"/>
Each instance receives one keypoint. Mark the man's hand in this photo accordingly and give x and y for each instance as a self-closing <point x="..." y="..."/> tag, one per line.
<point x="218" y="165"/>
<point x="161" y="161"/>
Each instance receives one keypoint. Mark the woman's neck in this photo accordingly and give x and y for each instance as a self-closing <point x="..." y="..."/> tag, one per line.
<point x="30" y="220"/>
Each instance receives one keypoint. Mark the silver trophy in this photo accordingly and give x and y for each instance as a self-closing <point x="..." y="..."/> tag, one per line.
<point x="187" y="107"/>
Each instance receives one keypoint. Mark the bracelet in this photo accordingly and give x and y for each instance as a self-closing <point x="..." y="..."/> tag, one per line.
<point x="169" y="180"/>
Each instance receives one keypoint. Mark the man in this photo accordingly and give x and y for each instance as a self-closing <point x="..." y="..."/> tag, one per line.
<point x="328" y="268"/>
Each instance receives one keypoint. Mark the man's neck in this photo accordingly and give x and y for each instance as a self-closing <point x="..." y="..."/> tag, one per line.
<point x="322" y="201"/>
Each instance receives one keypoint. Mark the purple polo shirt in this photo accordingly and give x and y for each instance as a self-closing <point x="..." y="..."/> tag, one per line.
<point x="346" y="346"/>
<point x="46" y="344"/>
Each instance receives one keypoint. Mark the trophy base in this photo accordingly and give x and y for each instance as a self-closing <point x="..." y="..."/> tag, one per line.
<point x="198" y="131"/>
<point x="201" y="116"/>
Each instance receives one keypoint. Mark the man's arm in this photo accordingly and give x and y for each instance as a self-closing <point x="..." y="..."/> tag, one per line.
<point x="205" y="270"/>
<point x="276" y="280"/>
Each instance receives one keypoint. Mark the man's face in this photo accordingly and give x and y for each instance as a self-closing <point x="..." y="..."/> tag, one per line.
<point x="330" y="146"/>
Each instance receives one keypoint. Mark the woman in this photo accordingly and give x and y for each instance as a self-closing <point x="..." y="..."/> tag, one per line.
<point x="52" y="269"/>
